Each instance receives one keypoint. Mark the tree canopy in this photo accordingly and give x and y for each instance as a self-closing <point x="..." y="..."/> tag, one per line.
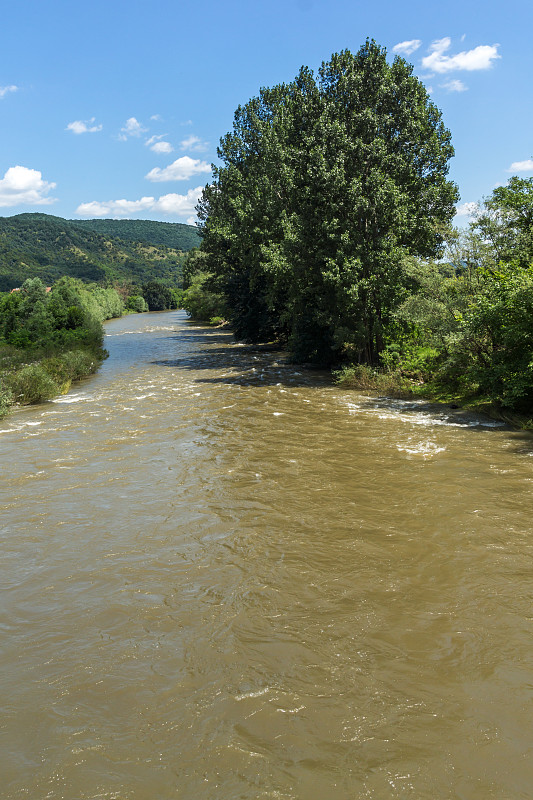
<point x="326" y="186"/>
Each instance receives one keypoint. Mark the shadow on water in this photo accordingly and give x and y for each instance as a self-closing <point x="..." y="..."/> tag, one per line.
<point x="248" y="366"/>
<point x="238" y="363"/>
<point x="264" y="364"/>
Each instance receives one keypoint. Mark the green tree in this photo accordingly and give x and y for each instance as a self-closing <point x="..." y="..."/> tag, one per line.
<point x="158" y="296"/>
<point x="326" y="186"/>
<point x="506" y="221"/>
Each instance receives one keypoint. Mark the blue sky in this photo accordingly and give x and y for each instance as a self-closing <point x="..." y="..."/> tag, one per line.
<point x="114" y="109"/>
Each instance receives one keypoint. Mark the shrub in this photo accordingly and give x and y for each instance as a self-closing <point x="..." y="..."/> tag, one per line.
<point x="31" y="384"/>
<point x="6" y="401"/>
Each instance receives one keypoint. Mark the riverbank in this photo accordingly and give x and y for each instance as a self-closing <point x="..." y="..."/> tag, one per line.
<point x="26" y="378"/>
<point x="396" y="385"/>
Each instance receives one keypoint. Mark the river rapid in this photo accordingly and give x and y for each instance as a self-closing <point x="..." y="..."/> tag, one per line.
<point x="223" y="577"/>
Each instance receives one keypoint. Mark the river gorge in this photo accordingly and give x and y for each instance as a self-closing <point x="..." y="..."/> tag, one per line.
<point x="223" y="577"/>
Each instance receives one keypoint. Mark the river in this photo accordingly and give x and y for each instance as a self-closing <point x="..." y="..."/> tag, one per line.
<point x="223" y="578"/>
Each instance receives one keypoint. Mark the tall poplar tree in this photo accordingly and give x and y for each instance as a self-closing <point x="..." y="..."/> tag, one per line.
<point x="326" y="185"/>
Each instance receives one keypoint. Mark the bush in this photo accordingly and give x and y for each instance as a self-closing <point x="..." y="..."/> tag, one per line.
<point x="6" y="401"/>
<point x="201" y="303"/>
<point x="31" y="384"/>
<point x="365" y="378"/>
<point x="137" y="303"/>
<point x="70" y="366"/>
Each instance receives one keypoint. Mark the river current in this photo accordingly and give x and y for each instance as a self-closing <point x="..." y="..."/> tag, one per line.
<point x="224" y="578"/>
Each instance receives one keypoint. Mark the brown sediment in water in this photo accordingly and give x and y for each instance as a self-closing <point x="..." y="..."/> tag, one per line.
<point x="225" y="577"/>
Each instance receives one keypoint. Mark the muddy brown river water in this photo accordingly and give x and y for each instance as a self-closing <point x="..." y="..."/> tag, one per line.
<point x="223" y="578"/>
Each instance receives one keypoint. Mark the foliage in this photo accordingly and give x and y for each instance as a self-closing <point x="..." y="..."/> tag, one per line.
<point x="326" y="186"/>
<point x="158" y="296"/>
<point x="365" y="378"/>
<point x="31" y="384"/>
<point x="195" y="261"/>
<point x="506" y="221"/>
<point x="47" y="247"/>
<point x="493" y="346"/>
<point x="174" y="235"/>
<point x="200" y="302"/>
<point x="136" y="302"/>
<point x="6" y="400"/>
<point x="466" y="324"/>
<point x="49" y="338"/>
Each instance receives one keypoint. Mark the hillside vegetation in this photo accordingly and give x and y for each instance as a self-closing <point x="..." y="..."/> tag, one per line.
<point x="170" y="234"/>
<point x="47" y="247"/>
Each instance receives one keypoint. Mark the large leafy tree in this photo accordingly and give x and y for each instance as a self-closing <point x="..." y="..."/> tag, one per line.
<point x="506" y="221"/>
<point x="326" y="185"/>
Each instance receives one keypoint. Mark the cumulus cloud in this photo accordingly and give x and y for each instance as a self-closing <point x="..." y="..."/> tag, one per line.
<point x="132" y="128"/>
<point x="470" y="210"/>
<point x="454" y="86"/>
<point x="23" y="186"/>
<point x="193" y="143"/>
<point x="480" y="57"/>
<point x="83" y="126"/>
<point x="155" y="144"/>
<point x="406" y="48"/>
<point x="522" y="166"/>
<point x="6" y="90"/>
<point x="162" y="147"/>
<point x="180" y="170"/>
<point x="178" y="205"/>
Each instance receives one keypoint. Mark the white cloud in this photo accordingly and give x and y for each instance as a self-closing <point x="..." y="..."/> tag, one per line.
<point x="155" y="144"/>
<point x="23" y="186"/>
<point x="479" y="58"/>
<point x="193" y="143"/>
<point x="115" y="208"/>
<point x="7" y="89"/>
<point x="522" y="166"/>
<point x="162" y="147"/>
<point x="179" y="205"/>
<point x="83" y="126"/>
<point x="132" y="128"/>
<point x="454" y="86"/>
<point x="406" y="48"/>
<point x="156" y="117"/>
<point x="467" y="210"/>
<point x="180" y="170"/>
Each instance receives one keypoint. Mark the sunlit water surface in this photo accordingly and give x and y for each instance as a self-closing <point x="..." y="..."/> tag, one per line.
<point x="223" y="577"/>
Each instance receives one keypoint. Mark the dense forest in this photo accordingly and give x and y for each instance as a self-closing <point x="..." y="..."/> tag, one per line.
<point x="48" y="247"/>
<point x="174" y="235"/>
<point x="328" y="229"/>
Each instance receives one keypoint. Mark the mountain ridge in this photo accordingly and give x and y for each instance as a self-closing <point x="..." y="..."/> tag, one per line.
<point x="46" y="246"/>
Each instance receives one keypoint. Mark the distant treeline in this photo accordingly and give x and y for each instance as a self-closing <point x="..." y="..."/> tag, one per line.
<point x="174" y="235"/>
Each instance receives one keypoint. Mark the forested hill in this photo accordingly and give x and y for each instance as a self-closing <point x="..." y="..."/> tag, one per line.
<point x="47" y="247"/>
<point x="171" y="234"/>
